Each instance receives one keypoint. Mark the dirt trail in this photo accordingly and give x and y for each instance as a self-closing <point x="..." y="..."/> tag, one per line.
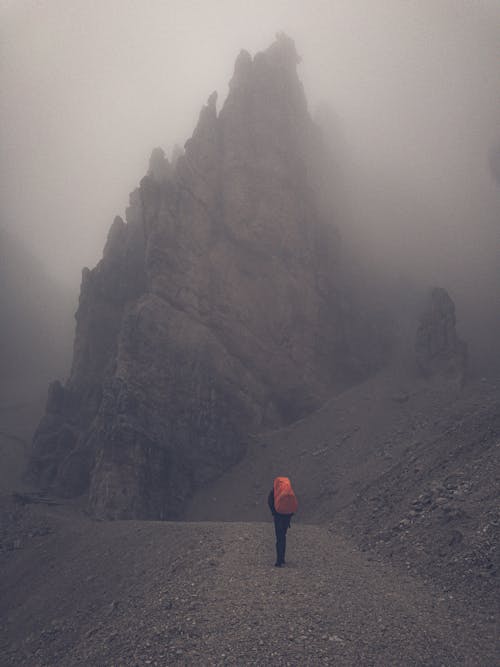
<point x="131" y="593"/>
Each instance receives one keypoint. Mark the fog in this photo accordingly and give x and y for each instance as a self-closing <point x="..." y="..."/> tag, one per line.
<point x="89" y="88"/>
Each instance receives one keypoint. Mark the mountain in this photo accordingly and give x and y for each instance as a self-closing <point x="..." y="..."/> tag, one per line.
<point x="215" y="311"/>
<point x="225" y="338"/>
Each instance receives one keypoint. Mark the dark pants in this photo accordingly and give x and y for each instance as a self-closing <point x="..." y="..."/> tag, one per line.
<point x="281" y="525"/>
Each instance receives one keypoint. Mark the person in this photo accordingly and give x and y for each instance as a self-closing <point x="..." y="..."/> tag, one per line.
<point x="281" y="525"/>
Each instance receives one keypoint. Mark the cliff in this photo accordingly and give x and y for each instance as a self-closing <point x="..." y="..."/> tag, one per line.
<point x="213" y="313"/>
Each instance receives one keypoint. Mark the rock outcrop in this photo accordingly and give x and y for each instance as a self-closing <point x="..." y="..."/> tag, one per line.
<point x="439" y="350"/>
<point x="214" y="311"/>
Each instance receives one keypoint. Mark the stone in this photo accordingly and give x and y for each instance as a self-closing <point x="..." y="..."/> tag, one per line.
<point x="215" y="311"/>
<point x="439" y="350"/>
<point x="159" y="167"/>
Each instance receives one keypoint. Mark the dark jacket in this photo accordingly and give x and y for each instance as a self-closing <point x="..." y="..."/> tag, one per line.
<point x="270" y="502"/>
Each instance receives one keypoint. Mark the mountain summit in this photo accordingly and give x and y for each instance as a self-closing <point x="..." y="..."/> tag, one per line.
<point x="214" y="312"/>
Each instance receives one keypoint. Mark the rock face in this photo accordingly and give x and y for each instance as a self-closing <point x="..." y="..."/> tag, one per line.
<point x="439" y="351"/>
<point x="214" y="311"/>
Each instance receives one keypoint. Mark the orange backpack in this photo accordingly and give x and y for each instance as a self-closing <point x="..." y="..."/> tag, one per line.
<point x="285" y="501"/>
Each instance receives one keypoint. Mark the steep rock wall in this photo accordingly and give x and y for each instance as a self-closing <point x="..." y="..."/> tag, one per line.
<point x="213" y="312"/>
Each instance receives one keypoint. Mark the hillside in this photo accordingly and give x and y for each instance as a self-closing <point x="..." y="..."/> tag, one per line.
<point x="392" y="558"/>
<point x="401" y="466"/>
<point x="149" y="593"/>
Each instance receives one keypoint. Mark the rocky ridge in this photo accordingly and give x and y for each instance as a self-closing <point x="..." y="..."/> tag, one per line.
<point x="214" y="312"/>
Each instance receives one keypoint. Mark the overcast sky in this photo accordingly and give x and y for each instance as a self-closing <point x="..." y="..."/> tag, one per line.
<point x="90" y="87"/>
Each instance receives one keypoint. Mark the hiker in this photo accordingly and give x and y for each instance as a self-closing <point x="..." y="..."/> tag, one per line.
<point x="283" y="505"/>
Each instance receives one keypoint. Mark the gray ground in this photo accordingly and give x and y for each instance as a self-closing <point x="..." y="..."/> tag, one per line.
<point x="131" y="593"/>
<point x="406" y="470"/>
<point x="392" y="559"/>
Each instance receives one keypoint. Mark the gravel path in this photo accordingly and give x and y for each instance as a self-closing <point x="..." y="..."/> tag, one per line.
<point x="130" y="593"/>
<point x="329" y="605"/>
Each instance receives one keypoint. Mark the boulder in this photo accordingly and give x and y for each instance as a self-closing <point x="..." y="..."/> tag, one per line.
<point x="439" y="350"/>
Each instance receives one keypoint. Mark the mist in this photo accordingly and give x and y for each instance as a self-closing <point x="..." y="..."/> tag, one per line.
<point x="89" y="89"/>
<point x="279" y="305"/>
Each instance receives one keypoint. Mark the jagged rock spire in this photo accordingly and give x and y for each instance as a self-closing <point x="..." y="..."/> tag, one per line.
<point x="439" y="350"/>
<point x="214" y="311"/>
<point x="159" y="167"/>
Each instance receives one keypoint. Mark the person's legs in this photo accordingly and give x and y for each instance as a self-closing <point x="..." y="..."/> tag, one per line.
<point x="280" y="526"/>
<point x="277" y="532"/>
<point x="283" y="543"/>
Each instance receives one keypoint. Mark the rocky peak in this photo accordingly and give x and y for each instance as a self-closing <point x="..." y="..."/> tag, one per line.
<point x="199" y="149"/>
<point x="242" y="69"/>
<point x="268" y="80"/>
<point x="439" y="350"/>
<point x="215" y="311"/>
<point x="283" y="52"/>
<point x="116" y="238"/>
<point x="160" y="169"/>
